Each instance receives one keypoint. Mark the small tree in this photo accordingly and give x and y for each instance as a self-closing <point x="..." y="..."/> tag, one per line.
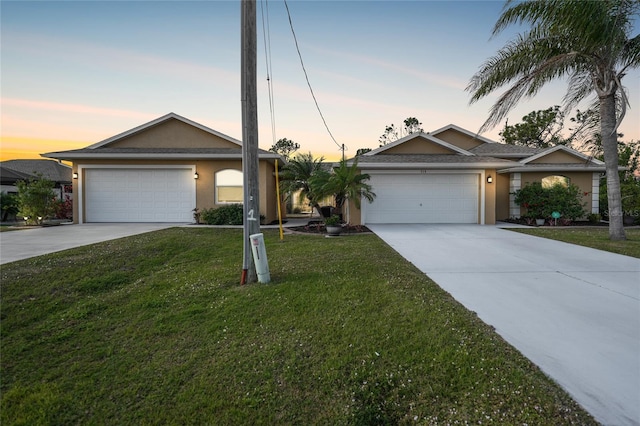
<point x="544" y="128"/>
<point x="391" y="133"/>
<point x="344" y="183"/>
<point x="297" y="174"/>
<point x="285" y="147"/>
<point x="36" y="199"/>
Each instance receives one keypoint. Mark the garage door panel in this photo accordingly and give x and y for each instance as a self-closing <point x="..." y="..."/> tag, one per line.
<point x="145" y="195"/>
<point x="424" y="198"/>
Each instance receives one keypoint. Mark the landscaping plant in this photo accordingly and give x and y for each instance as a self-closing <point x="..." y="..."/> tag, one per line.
<point x="9" y="206"/>
<point x="36" y="199"/>
<point x="541" y="202"/>
<point x="225" y="215"/>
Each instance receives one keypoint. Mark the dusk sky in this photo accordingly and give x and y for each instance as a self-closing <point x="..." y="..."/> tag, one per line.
<point x="77" y="72"/>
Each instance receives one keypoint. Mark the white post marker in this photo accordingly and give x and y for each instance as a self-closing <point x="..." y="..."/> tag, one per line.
<point x="260" y="258"/>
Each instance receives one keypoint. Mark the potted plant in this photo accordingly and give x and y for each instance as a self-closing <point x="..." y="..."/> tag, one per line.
<point x="332" y="225"/>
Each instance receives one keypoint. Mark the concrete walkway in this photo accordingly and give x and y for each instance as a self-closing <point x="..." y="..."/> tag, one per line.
<point x="573" y="311"/>
<point x="26" y="243"/>
<point x="30" y="242"/>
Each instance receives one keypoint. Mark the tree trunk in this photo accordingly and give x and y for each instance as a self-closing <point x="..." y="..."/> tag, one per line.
<point x="610" y="147"/>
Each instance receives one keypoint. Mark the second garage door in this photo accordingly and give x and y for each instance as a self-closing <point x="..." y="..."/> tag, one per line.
<point x="139" y="195"/>
<point x="423" y="198"/>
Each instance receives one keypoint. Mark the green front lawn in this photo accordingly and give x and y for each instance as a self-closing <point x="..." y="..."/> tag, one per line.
<point x="154" y="329"/>
<point x="597" y="238"/>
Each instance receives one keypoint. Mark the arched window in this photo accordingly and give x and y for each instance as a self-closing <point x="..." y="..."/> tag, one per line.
<point x="228" y="186"/>
<point x="550" y="181"/>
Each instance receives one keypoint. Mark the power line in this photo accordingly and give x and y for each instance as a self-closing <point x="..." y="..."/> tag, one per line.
<point x="295" y="39"/>
<point x="266" y="31"/>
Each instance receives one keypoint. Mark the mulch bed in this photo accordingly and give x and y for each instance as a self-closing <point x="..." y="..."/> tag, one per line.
<point x="317" y="227"/>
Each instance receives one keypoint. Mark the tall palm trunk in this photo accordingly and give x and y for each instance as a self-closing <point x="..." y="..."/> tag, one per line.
<point x="610" y="147"/>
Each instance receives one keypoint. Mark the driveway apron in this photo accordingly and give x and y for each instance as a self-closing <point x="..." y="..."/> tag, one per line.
<point x="572" y="310"/>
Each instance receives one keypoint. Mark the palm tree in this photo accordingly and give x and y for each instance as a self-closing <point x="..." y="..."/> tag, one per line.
<point x="297" y="174"/>
<point x="344" y="183"/>
<point x="587" y="41"/>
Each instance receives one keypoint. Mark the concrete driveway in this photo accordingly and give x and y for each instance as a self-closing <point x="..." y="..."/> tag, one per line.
<point x="26" y="243"/>
<point x="573" y="311"/>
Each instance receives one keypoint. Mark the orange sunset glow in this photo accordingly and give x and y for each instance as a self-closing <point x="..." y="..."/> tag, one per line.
<point x="12" y="148"/>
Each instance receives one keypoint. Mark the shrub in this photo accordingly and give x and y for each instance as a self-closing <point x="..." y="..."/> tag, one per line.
<point x="231" y="214"/>
<point x="594" y="218"/>
<point x="332" y="220"/>
<point x="63" y="209"/>
<point x="630" y="193"/>
<point x="36" y="199"/>
<point x="541" y="202"/>
<point x="533" y="198"/>
<point x="8" y="205"/>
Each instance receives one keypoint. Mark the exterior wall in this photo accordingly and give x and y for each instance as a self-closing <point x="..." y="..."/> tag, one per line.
<point x="490" y="197"/>
<point x="205" y="184"/>
<point x="418" y="145"/>
<point x="502" y="184"/>
<point x="558" y="157"/>
<point x="584" y="181"/>
<point x="354" y="215"/>
<point x="458" y="139"/>
<point x="171" y="134"/>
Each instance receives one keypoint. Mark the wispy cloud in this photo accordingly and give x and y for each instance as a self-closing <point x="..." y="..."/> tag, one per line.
<point x="402" y="67"/>
<point x="73" y="108"/>
<point x="86" y="54"/>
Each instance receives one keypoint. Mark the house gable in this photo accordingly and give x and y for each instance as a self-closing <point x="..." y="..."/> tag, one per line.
<point x="560" y="155"/>
<point x="420" y="145"/>
<point x="171" y="134"/>
<point x="460" y="137"/>
<point x="169" y="131"/>
<point x="557" y="158"/>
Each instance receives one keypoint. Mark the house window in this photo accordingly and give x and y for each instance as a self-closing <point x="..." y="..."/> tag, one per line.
<point x="550" y="181"/>
<point x="228" y="186"/>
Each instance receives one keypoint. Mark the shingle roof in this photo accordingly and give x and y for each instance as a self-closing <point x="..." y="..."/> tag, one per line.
<point x="49" y="169"/>
<point x="9" y="177"/>
<point x="586" y="166"/>
<point x="503" y="148"/>
<point x="431" y="158"/>
<point x="157" y="153"/>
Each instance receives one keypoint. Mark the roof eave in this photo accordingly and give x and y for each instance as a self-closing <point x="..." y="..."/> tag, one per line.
<point x="559" y="168"/>
<point x="149" y="156"/>
<point x="429" y="166"/>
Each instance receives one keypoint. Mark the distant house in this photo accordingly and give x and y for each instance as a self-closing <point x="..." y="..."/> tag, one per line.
<point x="12" y="171"/>
<point x="161" y="171"/>
<point x="452" y="175"/>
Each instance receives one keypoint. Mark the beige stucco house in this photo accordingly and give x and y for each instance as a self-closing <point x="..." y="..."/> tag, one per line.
<point x="453" y="175"/>
<point x="161" y="171"/>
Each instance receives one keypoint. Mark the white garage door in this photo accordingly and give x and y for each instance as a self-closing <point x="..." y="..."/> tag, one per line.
<point x="139" y="195"/>
<point x="423" y="198"/>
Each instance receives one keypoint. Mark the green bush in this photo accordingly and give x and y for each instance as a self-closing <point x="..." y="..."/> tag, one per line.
<point x="36" y="200"/>
<point x="540" y="202"/>
<point x="231" y="214"/>
<point x="630" y="193"/>
<point x="8" y="205"/>
<point x="594" y="218"/>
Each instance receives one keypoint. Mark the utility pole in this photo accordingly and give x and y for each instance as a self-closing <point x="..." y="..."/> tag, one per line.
<point x="251" y="193"/>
